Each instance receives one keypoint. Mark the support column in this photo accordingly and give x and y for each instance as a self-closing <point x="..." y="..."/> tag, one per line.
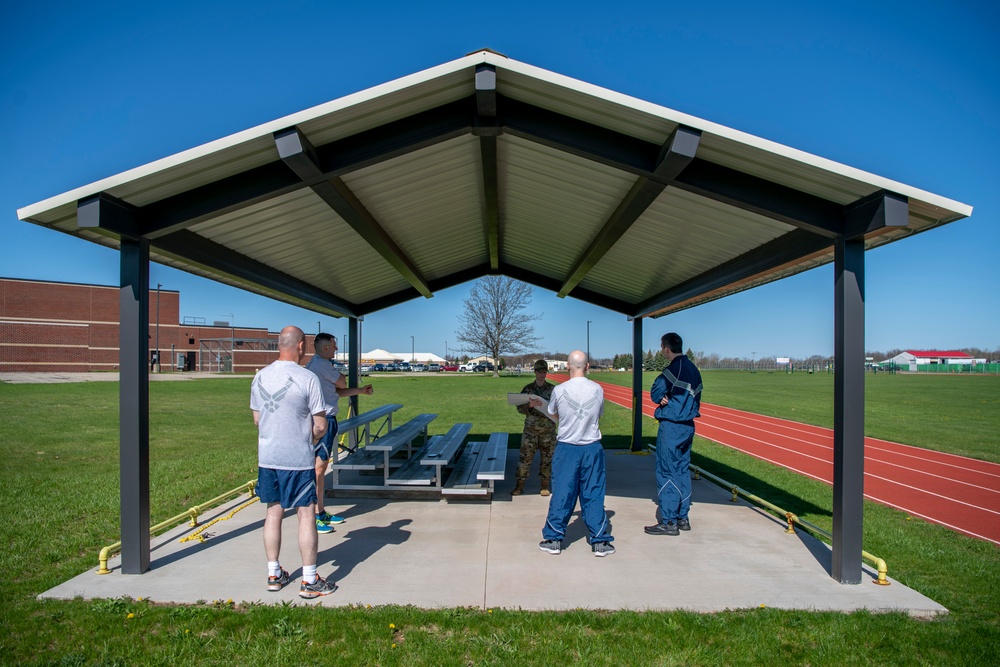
<point x="637" y="384"/>
<point x="353" y="353"/>
<point x="848" y="409"/>
<point x="133" y="400"/>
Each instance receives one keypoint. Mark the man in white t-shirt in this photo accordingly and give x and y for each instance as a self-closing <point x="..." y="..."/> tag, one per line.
<point x="578" y="469"/>
<point x="334" y="385"/>
<point x="290" y="415"/>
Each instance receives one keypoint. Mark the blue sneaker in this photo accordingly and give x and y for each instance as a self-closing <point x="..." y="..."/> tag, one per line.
<point x="323" y="528"/>
<point x="326" y="517"/>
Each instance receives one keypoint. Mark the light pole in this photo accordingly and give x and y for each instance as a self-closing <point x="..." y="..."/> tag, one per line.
<point x="232" y="343"/>
<point x="319" y="328"/>
<point x="412" y="354"/>
<point x="588" y="342"/>
<point x="446" y="353"/>
<point x="753" y="362"/>
<point x="157" y="365"/>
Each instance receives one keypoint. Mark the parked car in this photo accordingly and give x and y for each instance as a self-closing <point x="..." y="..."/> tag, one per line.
<point x="483" y="367"/>
<point x="405" y="367"/>
<point x="379" y="368"/>
<point x="418" y="368"/>
<point x="434" y="368"/>
<point x="451" y="368"/>
<point x="365" y="370"/>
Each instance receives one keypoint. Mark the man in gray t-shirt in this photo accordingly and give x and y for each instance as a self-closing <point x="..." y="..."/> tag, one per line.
<point x="290" y="414"/>
<point x="578" y="469"/>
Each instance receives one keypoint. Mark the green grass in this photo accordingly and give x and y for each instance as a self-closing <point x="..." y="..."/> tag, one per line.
<point x="59" y="462"/>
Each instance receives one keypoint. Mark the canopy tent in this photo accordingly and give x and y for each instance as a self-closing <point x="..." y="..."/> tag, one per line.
<point x="476" y="167"/>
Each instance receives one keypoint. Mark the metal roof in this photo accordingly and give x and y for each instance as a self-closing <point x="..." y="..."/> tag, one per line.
<point x="488" y="165"/>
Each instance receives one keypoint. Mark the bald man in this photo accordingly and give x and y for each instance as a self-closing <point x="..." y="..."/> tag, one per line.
<point x="578" y="469"/>
<point x="290" y="414"/>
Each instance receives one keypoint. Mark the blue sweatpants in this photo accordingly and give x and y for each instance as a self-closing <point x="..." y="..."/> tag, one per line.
<point x="673" y="480"/>
<point x="578" y="472"/>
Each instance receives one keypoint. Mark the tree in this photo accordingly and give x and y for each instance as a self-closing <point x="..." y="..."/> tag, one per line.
<point x="494" y="319"/>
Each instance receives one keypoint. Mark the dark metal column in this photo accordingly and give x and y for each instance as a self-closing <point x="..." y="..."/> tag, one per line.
<point x="134" y="405"/>
<point x="848" y="409"/>
<point x="637" y="384"/>
<point x="353" y="352"/>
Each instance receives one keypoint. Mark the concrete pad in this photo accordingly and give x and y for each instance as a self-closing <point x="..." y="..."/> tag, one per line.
<point x="442" y="554"/>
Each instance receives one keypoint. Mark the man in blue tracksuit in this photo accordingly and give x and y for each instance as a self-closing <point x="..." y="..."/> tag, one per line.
<point x="677" y="395"/>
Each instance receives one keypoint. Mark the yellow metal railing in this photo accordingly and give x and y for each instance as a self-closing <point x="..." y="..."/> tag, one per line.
<point x="791" y="518"/>
<point x="193" y="513"/>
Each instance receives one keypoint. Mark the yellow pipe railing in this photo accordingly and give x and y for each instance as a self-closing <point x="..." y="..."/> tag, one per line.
<point x="791" y="518"/>
<point x="108" y="551"/>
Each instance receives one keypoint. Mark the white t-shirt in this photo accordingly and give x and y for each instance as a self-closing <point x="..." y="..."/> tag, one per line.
<point x="328" y="376"/>
<point x="287" y="396"/>
<point x="579" y="402"/>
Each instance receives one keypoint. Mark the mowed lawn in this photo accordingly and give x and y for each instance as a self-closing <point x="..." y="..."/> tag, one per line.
<point x="59" y="463"/>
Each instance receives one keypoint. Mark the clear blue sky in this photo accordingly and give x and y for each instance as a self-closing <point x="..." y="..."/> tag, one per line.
<point x="906" y="90"/>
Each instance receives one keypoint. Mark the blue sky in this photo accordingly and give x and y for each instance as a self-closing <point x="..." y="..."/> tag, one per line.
<point x="906" y="90"/>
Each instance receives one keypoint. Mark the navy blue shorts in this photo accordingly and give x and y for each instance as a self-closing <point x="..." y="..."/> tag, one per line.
<point x="289" y="488"/>
<point x="327" y="445"/>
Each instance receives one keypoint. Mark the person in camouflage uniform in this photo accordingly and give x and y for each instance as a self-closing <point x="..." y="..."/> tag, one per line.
<point x="539" y="433"/>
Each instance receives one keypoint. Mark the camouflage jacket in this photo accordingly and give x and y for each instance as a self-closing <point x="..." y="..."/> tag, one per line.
<point x="534" y="421"/>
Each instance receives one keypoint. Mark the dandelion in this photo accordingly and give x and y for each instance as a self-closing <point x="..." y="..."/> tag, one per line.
<point x="489" y="611"/>
<point x="762" y="605"/>
<point x="138" y="599"/>
<point x="392" y="626"/>
<point x="130" y="615"/>
<point x="394" y="646"/>
<point x="187" y="631"/>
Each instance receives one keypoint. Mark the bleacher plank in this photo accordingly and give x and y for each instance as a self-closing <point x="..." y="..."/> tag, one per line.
<point x="350" y="426"/>
<point x="444" y="449"/>
<point x="413" y="472"/>
<point x="462" y="480"/>
<point x="494" y="463"/>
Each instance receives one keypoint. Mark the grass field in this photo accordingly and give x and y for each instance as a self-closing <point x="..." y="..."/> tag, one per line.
<point x="60" y="485"/>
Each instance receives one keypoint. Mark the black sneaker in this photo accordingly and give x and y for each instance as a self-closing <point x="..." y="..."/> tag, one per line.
<point x="277" y="583"/>
<point x="669" y="528"/>
<point x="319" y="587"/>
<point x="550" y="546"/>
<point x="602" y="549"/>
<point x="683" y="524"/>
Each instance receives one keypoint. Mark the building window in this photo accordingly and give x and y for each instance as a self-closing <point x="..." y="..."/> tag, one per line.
<point x="190" y="341"/>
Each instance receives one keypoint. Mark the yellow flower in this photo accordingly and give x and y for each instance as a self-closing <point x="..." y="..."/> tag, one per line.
<point x="489" y="611"/>
<point x="392" y="626"/>
<point x="187" y="632"/>
<point x="394" y="646"/>
<point x="138" y="599"/>
<point x="131" y="615"/>
<point x="762" y="605"/>
<point x="229" y="601"/>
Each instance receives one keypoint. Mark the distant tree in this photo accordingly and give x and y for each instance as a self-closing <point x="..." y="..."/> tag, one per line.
<point x="690" y="354"/>
<point x="494" y="319"/>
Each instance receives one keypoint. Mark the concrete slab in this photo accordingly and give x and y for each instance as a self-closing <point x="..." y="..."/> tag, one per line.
<point x="441" y="554"/>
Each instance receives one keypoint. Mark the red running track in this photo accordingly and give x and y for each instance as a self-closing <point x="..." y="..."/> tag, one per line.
<point x="954" y="491"/>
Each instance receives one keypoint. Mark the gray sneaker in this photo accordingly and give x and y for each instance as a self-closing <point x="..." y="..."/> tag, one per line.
<point x="277" y="583"/>
<point x="320" y="587"/>
<point x="602" y="549"/>
<point x="683" y="524"/>
<point x="550" y="546"/>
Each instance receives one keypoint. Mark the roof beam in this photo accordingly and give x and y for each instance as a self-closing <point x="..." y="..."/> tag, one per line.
<point x="621" y="151"/>
<point x="485" y="126"/>
<point x="408" y="294"/>
<point x="793" y="246"/>
<point x="108" y="214"/>
<point x="298" y="153"/>
<point x="274" y="179"/>
<point x="585" y="295"/>
<point x="676" y="154"/>
<point x="876" y="214"/>
<point x="191" y="247"/>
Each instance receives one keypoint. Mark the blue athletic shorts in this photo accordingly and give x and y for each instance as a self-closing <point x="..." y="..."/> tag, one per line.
<point x="289" y="488"/>
<point x="327" y="445"/>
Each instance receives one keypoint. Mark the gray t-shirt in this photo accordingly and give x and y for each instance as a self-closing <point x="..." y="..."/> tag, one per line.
<point x="579" y="402"/>
<point x="328" y="377"/>
<point x="287" y="396"/>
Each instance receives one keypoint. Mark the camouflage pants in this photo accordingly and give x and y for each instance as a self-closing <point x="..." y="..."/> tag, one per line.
<point x="545" y="444"/>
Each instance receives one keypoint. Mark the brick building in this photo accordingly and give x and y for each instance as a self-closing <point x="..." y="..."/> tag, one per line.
<point x="53" y="326"/>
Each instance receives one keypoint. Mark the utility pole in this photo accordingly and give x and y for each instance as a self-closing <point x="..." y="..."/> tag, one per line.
<point x="412" y="354"/>
<point x="232" y="343"/>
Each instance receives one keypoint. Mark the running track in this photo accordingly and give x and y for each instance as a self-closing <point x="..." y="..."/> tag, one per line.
<point x="954" y="491"/>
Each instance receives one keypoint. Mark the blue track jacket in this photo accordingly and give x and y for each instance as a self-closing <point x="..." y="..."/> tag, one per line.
<point x="681" y="381"/>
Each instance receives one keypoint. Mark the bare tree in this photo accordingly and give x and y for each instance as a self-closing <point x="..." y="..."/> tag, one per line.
<point x="494" y="319"/>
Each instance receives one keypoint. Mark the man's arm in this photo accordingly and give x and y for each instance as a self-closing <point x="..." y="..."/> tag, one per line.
<point x="344" y="391"/>
<point x="658" y="392"/>
<point x="319" y="426"/>
<point x="256" y="418"/>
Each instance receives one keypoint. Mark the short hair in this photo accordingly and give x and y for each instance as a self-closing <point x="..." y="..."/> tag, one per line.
<point x="322" y="339"/>
<point x="672" y="342"/>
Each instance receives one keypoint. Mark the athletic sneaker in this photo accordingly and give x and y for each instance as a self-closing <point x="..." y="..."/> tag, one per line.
<point x="326" y="517"/>
<point x="277" y="583"/>
<point x="323" y="528"/>
<point x="314" y="590"/>
<point x="550" y="546"/>
<point x="602" y="549"/>
<point x="683" y="524"/>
